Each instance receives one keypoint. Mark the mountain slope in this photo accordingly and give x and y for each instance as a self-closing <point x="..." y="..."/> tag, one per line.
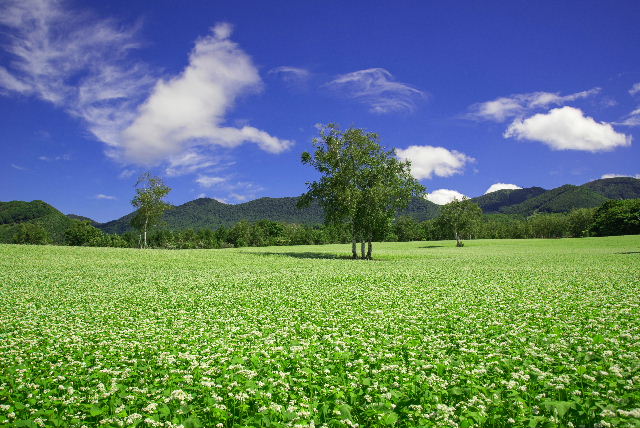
<point x="15" y="212"/>
<point x="561" y="199"/>
<point x="496" y="202"/>
<point x="616" y="188"/>
<point x="211" y="214"/>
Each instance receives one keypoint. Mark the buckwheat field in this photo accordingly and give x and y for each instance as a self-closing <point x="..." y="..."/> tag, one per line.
<point x="535" y="333"/>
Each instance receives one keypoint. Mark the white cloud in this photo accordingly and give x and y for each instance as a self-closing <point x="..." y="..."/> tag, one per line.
<point x="567" y="128"/>
<point x="518" y="105"/>
<point x="632" y="119"/>
<point x="208" y="181"/>
<point x="620" y="175"/>
<point x="81" y="64"/>
<point x="103" y="196"/>
<point x="635" y="89"/>
<point x="190" y="108"/>
<point x="75" y="61"/>
<point x="126" y="173"/>
<point x="429" y="160"/>
<point x="501" y="186"/>
<point x="294" y="75"/>
<point x="18" y="167"/>
<point x="65" y="157"/>
<point x="444" y="196"/>
<point x="188" y="162"/>
<point x="376" y="88"/>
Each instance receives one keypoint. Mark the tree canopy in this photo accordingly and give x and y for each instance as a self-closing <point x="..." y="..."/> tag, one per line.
<point x="460" y="217"/>
<point x="362" y="184"/>
<point x="150" y="191"/>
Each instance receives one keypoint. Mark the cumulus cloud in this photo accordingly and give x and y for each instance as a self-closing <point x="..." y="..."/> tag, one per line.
<point x="567" y="128"/>
<point x="620" y="175"/>
<point x="292" y="75"/>
<point x="190" y="108"/>
<point x="517" y="105"/>
<point x="429" y="160"/>
<point x="501" y="186"/>
<point x="635" y="89"/>
<point x="444" y="196"/>
<point x="82" y="64"/>
<point x="103" y="196"/>
<point x="377" y="88"/>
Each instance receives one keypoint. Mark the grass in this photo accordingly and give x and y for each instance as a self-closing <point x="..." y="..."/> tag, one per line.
<point x="498" y="333"/>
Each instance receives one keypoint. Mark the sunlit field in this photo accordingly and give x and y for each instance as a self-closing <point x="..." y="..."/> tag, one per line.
<point x="495" y="334"/>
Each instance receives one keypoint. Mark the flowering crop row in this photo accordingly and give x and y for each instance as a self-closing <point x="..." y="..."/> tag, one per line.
<point x="498" y="333"/>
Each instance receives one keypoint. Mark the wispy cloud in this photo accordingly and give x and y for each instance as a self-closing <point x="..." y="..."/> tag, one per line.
<point x="83" y="65"/>
<point x="518" y="105"/>
<point x="227" y="190"/>
<point x="427" y="161"/>
<point x="444" y="196"/>
<point x="65" y="157"/>
<point x="106" y="197"/>
<point x="632" y="119"/>
<point x="567" y="128"/>
<point x="501" y="186"/>
<point x="291" y="75"/>
<point x="635" y="89"/>
<point x="18" y="167"/>
<point x="376" y="88"/>
<point x="126" y="173"/>
<point x="620" y="175"/>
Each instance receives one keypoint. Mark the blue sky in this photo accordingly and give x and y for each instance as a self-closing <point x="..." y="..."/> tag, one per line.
<point x="221" y="98"/>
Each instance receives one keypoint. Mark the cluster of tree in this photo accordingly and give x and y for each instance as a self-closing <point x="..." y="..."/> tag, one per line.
<point x="614" y="217"/>
<point x="621" y="217"/>
<point x="362" y="185"/>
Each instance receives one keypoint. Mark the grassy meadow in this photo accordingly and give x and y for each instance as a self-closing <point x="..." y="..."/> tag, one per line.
<point x="503" y="333"/>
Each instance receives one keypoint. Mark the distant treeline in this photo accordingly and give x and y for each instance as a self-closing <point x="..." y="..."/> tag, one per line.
<point x="614" y="217"/>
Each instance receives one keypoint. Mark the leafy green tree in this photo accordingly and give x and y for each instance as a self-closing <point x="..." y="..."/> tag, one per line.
<point x="460" y="217"/>
<point x="362" y="185"/>
<point x="31" y="233"/>
<point x="150" y="192"/>
<point x="579" y="221"/>
<point x="617" y="217"/>
<point x="82" y="233"/>
<point x="407" y="229"/>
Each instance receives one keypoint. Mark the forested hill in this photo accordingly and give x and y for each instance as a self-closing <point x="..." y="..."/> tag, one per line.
<point x="14" y="213"/>
<point x="561" y="199"/>
<point x="210" y="213"/>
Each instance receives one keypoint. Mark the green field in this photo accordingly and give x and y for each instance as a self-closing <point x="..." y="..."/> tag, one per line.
<point x="495" y="334"/>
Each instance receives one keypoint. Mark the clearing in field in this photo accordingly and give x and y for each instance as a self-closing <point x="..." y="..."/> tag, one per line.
<point x="498" y="333"/>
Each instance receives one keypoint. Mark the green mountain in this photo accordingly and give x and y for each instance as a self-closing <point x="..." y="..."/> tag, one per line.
<point x="15" y="212"/>
<point x="211" y="214"/>
<point x="616" y="188"/>
<point x="561" y="199"/>
<point x="496" y="202"/>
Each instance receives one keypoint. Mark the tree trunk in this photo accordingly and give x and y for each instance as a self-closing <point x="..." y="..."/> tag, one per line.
<point x="354" y="253"/>
<point x="362" y="253"/>
<point x="458" y="240"/>
<point x="146" y="221"/>
<point x="369" y="250"/>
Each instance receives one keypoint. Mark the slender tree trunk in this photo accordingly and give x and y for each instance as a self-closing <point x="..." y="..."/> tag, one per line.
<point x="146" y="221"/>
<point x="362" y="253"/>
<point x="458" y="240"/>
<point x="354" y="253"/>
<point x="369" y="250"/>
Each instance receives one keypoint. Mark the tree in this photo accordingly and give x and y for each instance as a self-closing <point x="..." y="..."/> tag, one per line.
<point x="460" y="217"/>
<point x="617" y="217"/>
<point x="362" y="185"/>
<point x="31" y="233"/>
<point x="150" y="191"/>
<point x="82" y="233"/>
